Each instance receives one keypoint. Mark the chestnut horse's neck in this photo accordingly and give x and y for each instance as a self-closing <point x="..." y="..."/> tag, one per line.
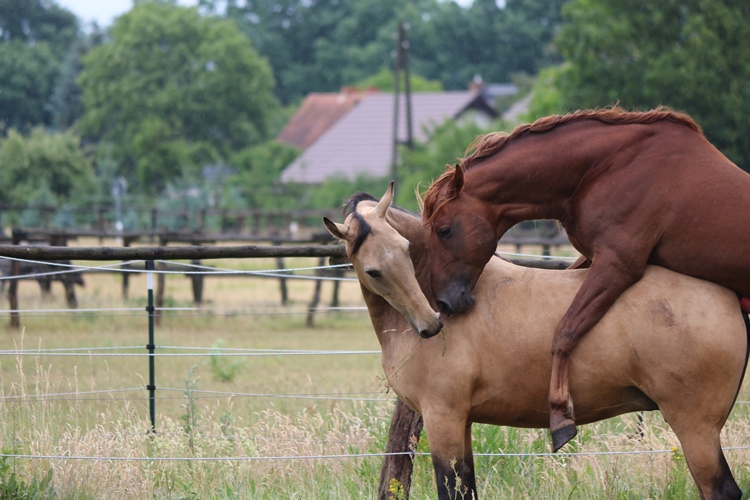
<point x="537" y="175"/>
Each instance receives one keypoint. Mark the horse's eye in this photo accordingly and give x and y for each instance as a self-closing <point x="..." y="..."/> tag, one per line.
<point x="444" y="232"/>
<point x="374" y="273"/>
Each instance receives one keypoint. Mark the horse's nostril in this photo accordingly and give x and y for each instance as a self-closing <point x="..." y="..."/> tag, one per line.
<point x="444" y="307"/>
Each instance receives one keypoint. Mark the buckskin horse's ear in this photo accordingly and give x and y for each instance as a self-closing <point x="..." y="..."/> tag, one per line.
<point x="457" y="181"/>
<point x="337" y="230"/>
<point x="385" y="202"/>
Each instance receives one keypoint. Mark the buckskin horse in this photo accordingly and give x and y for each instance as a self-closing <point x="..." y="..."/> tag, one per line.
<point x="630" y="189"/>
<point x="491" y="365"/>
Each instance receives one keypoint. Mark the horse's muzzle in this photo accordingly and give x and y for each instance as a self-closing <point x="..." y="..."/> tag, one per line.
<point x="457" y="303"/>
<point x="427" y="333"/>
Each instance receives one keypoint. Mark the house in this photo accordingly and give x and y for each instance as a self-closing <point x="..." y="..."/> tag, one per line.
<point x="361" y="140"/>
<point x="317" y="113"/>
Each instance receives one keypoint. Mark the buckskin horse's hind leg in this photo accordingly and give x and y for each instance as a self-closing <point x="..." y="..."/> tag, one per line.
<point x="605" y="281"/>
<point x="698" y="430"/>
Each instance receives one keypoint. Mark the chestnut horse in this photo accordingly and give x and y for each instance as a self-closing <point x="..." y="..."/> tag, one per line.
<point x="630" y="188"/>
<point x="685" y="354"/>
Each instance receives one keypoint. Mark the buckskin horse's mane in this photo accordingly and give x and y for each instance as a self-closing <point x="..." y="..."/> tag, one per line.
<point x="489" y="144"/>
<point x="364" y="229"/>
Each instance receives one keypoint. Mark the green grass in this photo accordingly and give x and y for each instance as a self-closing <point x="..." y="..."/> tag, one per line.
<point x="192" y="424"/>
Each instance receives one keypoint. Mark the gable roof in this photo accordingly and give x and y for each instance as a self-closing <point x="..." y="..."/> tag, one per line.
<point x="361" y="141"/>
<point x="316" y="114"/>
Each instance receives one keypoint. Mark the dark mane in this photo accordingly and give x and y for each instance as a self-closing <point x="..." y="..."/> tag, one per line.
<point x="350" y="208"/>
<point x="489" y="144"/>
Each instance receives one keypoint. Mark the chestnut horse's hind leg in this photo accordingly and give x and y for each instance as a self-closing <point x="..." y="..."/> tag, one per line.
<point x="605" y="281"/>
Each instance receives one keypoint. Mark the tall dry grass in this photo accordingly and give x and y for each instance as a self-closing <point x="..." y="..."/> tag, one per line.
<point x="196" y="432"/>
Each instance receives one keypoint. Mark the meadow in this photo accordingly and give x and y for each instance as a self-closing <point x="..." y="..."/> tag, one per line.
<point x="264" y="424"/>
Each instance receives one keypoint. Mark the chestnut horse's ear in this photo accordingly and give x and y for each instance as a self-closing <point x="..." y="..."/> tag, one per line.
<point x="457" y="181"/>
<point x="337" y="230"/>
<point x="385" y="202"/>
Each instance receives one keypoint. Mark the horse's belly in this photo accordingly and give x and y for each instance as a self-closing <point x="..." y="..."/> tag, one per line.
<point x="525" y="404"/>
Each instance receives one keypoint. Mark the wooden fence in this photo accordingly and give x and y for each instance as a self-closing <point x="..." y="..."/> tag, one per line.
<point x="406" y="425"/>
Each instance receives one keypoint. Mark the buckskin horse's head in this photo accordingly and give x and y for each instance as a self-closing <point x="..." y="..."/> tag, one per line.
<point x="382" y="261"/>
<point x="462" y="240"/>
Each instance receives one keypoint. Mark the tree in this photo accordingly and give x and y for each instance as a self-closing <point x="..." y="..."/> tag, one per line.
<point x="687" y="54"/>
<point x="44" y="167"/>
<point x="34" y="36"/>
<point x="173" y="91"/>
<point x="65" y="104"/>
<point x="259" y="168"/>
<point x="383" y="81"/>
<point x="425" y="161"/>
<point x="320" y="45"/>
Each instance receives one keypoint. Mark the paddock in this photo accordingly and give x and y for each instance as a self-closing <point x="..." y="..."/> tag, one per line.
<point x="300" y="410"/>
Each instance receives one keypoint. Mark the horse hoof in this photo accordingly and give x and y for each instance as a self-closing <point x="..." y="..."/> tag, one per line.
<point x="564" y="432"/>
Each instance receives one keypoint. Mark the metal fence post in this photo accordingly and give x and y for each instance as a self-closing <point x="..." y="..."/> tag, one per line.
<point x="151" y="347"/>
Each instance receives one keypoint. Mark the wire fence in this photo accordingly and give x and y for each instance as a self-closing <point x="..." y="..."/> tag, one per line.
<point x="318" y="273"/>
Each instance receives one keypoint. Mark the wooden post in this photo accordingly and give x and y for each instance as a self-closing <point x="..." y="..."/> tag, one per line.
<point x="202" y="219"/>
<point x="15" y="270"/>
<point x="403" y="436"/>
<point x="337" y="273"/>
<point x="47" y="212"/>
<point x="282" y="281"/>
<point x="197" y="282"/>
<point x="125" y="275"/>
<point x="316" y="296"/>
<point x="67" y="280"/>
<point x="100" y="225"/>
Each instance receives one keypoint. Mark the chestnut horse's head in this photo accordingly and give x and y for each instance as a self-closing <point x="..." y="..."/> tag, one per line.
<point x="462" y="241"/>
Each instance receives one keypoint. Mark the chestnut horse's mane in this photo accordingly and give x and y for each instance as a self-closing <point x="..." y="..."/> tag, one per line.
<point x="489" y="144"/>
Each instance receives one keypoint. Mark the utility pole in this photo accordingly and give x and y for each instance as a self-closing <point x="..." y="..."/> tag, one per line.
<point x="401" y="70"/>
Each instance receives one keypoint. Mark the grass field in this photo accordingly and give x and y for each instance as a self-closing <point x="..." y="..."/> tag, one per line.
<point x="254" y="407"/>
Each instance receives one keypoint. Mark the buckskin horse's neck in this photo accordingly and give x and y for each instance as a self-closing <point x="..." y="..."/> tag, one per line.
<point x="387" y="322"/>
<point x="536" y="175"/>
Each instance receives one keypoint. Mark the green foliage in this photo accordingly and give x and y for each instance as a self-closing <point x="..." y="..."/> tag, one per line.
<point x="34" y="36"/>
<point x="36" y="22"/>
<point x="324" y="45"/>
<point x="259" y="168"/>
<point x="545" y="98"/>
<point x="426" y="161"/>
<point x="27" y="74"/>
<point x="173" y="91"/>
<point x="14" y="488"/>
<point x="336" y="190"/>
<point x="383" y="80"/>
<point x="191" y="417"/>
<point x="44" y="167"/>
<point x="685" y="54"/>
<point x="65" y="103"/>
<point x="224" y="369"/>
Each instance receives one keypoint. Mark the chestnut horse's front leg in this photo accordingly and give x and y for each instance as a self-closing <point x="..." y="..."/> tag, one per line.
<point x="607" y="278"/>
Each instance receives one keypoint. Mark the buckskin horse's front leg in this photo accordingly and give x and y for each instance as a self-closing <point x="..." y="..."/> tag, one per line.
<point x="605" y="281"/>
